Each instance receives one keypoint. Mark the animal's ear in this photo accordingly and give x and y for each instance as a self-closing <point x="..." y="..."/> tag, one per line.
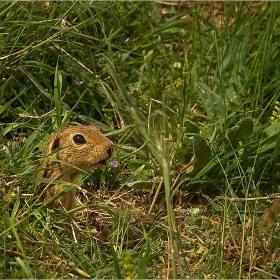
<point x="52" y="144"/>
<point x="55" y="143"/>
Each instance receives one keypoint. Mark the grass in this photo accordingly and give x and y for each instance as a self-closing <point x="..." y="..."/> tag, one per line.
<point x="189" y="93"/>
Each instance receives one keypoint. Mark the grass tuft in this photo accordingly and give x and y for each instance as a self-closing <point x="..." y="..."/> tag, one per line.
<point x="189" y="93"/>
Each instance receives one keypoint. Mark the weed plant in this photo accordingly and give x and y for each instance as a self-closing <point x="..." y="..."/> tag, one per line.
<point x="189" y="93"/>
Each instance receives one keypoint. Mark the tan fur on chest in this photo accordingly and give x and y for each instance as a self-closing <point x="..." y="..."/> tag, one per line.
<point x="68" y="153"/>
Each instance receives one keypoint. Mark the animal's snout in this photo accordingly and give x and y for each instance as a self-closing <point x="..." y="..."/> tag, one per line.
<point x="110" y="150"/>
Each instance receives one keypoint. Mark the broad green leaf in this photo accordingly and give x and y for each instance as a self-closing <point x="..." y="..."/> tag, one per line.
<point x="171" y="26"/>
<point x="140" y="185"/>
<point x="241" y="130"/>
<point x="235" y="53"/>
<point x="191" y="127"/>
<point x="233" y="71"/>
<point x="272" y="129"/>
<point x="271" y="135"/>
<point x="202" y="154"/>
<point x="213" y="103"/>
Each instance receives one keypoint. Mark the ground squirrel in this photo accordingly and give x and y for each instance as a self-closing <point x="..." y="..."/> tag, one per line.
<point x="68" y="153"/>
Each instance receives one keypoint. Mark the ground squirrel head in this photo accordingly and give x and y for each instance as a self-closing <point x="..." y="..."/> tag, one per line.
<point x="84" y="147"/>
<point x="71" y="151"/>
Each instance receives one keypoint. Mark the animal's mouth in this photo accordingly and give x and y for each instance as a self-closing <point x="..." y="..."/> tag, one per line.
<point x="102" y="162"/>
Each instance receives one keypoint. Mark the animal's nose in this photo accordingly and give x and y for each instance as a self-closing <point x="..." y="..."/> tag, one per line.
<point x="110" y="150"/>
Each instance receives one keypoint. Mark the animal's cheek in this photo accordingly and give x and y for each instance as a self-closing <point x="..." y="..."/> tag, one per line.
<point x="87" y="162"/>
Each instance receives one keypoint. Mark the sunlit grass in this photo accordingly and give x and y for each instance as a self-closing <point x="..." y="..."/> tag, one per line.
<point x="186" y="91"/>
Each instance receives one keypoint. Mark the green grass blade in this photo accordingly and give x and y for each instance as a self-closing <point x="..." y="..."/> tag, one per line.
<point x="57" y="94"/>
<point x="144" y="262"/>
<point x="128" y="100"/>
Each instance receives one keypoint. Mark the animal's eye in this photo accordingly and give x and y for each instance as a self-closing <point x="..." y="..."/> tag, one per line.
<point x="79" y="139"/>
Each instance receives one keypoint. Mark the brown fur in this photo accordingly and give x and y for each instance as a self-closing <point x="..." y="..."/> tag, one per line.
<point x="66" y="160"/>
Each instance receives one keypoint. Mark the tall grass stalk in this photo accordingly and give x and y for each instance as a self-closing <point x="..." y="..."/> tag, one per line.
<point x="159" y="152"/>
